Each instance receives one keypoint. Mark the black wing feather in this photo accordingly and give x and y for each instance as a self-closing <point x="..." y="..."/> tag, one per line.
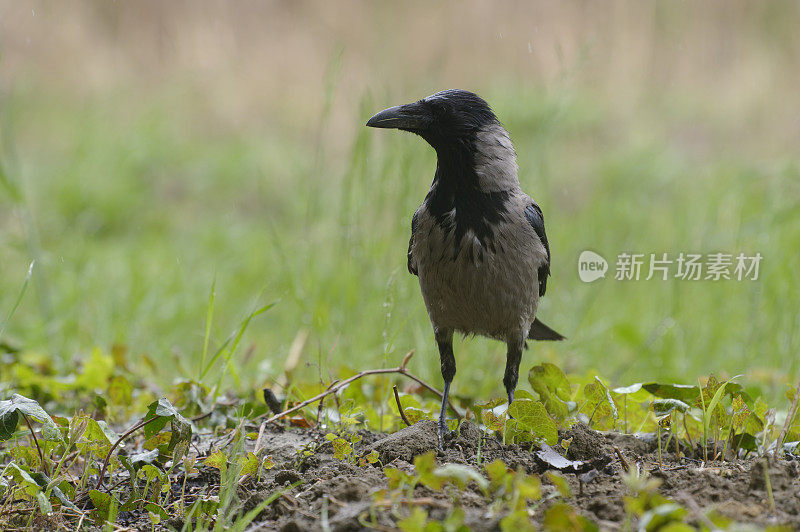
<point x="411" y="268"/>
<point x="535" y="217"/>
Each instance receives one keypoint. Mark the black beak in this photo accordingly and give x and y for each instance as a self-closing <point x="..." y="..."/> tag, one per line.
<point x="409" y="117"/>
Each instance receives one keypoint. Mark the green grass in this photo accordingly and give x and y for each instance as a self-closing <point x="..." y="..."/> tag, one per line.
<point x="131" y="209"/>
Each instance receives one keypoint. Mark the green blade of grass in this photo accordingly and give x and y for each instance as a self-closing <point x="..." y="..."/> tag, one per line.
<point x="229" y="353"/>
<point x="707" y="413"/>
<point x="209" y="319"/>
<point x="235" y="337"/>
<point x="19" y="298"/>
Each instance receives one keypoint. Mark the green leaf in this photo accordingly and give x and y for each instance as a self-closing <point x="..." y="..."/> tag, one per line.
<point x="517" y="521"/>
<point x="19" y="404"/>
<point x="30" y="408"/>
<point x="415" y="522"/>
<point x="154" y="427"/>
<point x="217" y="460"/>
<point x="207" y="506"/>
<point x="599" y="401"/>
<point x="44" y="503"/>
<point x="96" y="438"/>
<point x="552" y="386"/>
<point x="711" y="407"/>
<point x="149" y="472"/>
<point x="341" y="448"/>
<point x="529" y="487"/>
<point x="59" y="494"/>
<point x="703" y="401"/>
<point x="560" y="483"/>
<point x="181" y="431"/>
<point x="498" y="473"/>
<point x="164" y="408"/>
<point x="461" y="475"/>
<point x="103" y="504"/>
<point x="741" y="413"/>
<point x="25" y="456"/>
<point x="562" y="516"/>
<point x="425" y="465"/>
<point x="23" y="477"/>
<point x="250" y="464"/>
<point x="760" y="408"/>
<point x="126" y="463"/>
<point x="532" y="416"/>
<point x="524" y="394"/>
<point x="415" y="414"/>
<point x="513" y="432"/>
<point x="624" y="390"/>
<point x="156" y="511"/>
<point x="661" y="516"/>
<point x="164" y="412"/>
<point x="133" y="502"/>
<point x="180" y="451"/>
<point x="145" y="458"/>
<point x="663" y="407"/>
<point x="493" y="403"/>
<point x="745" y="441"/>
<point x="9" y="419"/>
<point x="100" y="431"/>
<point x="608" y="398"/>
<point x="50" y="432"/>
<point x="397" y="478"/>
<point x="491" y="420"/>
<point x="684" y="392"/>
<point x="454" y="522"/>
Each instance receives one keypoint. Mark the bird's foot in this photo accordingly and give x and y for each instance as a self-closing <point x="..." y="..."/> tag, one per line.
<point x="443" y="433"/>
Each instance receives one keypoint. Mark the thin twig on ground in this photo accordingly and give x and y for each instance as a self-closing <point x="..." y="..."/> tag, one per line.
<point x="399" y="406"/>
<point x="116" y="443"/>
<point x="401" y="369"/>
<point x="36" y="441"/>
<point x="622" y="459"/>
<point x="202" y="416"/>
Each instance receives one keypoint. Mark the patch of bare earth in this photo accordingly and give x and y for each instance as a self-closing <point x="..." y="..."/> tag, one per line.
<point x="340" y="493"/>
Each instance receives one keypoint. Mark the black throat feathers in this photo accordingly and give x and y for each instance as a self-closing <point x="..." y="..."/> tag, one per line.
<point x="459" y="205"/>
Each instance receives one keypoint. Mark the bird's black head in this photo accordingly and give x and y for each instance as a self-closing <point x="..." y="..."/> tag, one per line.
<point x="442" y="119"/>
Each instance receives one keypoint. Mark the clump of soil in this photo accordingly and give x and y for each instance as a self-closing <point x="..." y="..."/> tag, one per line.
<point x="342" y="491"/>
<point x="408" y="443"/>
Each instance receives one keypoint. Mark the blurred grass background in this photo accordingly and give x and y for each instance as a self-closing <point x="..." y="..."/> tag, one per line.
<point x="149" y="147"/>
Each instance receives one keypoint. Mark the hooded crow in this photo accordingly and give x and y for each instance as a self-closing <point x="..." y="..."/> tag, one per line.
<point x="478" y="243"/>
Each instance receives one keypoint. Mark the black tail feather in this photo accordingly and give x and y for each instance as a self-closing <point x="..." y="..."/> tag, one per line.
<point x="540" y="331"/>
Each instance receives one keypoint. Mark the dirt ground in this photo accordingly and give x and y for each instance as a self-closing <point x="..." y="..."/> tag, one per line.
<point x="341" y="492"/>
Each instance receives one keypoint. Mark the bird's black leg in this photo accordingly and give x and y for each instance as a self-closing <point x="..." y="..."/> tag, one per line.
<point x="444" y="339"/>
<point x="513" y="359"/>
